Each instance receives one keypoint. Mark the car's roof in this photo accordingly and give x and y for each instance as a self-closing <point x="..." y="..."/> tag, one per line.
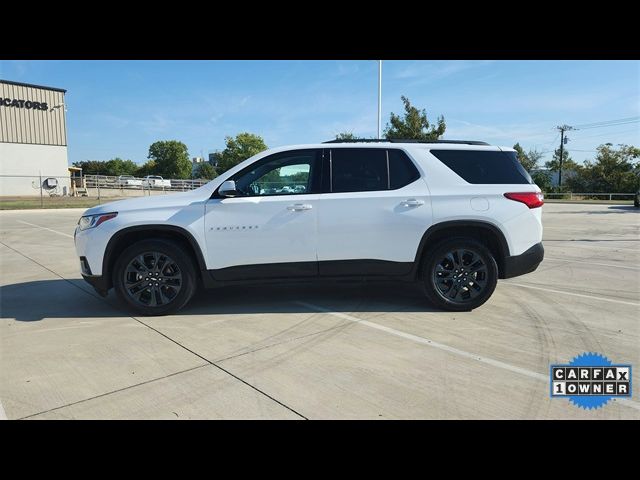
<point x="406" y="146"/>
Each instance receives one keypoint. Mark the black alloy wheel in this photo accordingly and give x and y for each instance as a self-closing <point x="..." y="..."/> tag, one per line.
<point x="155" y="277"/>
<point x="460" y="274"/>
<point x="152" y="279"/>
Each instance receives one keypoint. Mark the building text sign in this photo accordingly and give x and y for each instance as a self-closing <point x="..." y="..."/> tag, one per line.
<point x="28" y="104"/>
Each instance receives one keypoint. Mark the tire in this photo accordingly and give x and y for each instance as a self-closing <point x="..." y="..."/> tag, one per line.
<point x="442" y="271"/>
<point x="170" y="287"/>
<point x="636" y="201"/>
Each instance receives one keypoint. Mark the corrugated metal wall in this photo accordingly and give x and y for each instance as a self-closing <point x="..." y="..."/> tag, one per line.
<point x="33" y="126"/>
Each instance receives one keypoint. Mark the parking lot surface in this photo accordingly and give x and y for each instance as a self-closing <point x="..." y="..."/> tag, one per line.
<point x="316" y="351"/>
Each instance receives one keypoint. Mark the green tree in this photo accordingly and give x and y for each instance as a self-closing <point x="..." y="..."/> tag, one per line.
<point x="172" y="159"/>
<point x="149" y="168"/>
<point x="534" y="156"/>
<point x="570" y="171"/>
<point x="92" y="167"/>
<point x="613" y="170"/>
<point x="345" y="136"/>
<point x="272" y="177"/>
<point x="299" y="177"/>
<point x="205" y="170"/>
<point x="117" y="166"/>
<point x="238" y="149"/>
<point x="414" y="124"/>
<point x="530" y="159"/>
<point x="543" y="180"/>
<point x="567" y="161"/>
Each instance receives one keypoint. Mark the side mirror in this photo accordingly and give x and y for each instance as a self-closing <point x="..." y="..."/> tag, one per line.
<point x="228" y="189"/>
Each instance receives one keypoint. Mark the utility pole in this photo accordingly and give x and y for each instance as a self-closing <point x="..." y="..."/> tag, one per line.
<point x="379" y="99"/>
<point x="562" y="128"/>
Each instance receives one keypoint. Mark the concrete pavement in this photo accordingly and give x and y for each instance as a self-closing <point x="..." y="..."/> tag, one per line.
<point x="316" y="351"/>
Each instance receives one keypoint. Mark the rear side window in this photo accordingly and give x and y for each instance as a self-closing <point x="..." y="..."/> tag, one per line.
<point x="484" y="166"/>
<point x="359" y="170"/>
<point x="402" y="171"/>
<point x="369" y="169"/>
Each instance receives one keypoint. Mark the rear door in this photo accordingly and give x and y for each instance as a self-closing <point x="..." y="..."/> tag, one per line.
<point x="372" y="214"/>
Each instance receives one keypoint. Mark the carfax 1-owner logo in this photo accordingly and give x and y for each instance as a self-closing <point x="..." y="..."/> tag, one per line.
<point x="590" y="380"/>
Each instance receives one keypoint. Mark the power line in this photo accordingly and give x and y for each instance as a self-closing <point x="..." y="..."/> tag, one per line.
<point x="607" y="122"/>
<point x="626" y="119"/>
<point x="580" y="137"/>
<point x="553" y="141"/>
<point x="607" y="125"/>
<point x="546" y="145"/>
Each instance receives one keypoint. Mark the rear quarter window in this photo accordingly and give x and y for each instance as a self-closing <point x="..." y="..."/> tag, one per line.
<point x="402" y="171"/>
<point x="477" y="166"/>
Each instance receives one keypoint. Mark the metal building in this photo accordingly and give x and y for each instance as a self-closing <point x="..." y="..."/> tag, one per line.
<point x="33" y="139"/>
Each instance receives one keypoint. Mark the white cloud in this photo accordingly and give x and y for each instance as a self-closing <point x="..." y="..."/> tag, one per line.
<point x="424" y="72"/>
<point x="346" y="68"/>
<point x="115" y="121"/>
<point x="21" y="68"/>
<point x="561" y="101"/>
<point x="157" y="123"/>
<point x="531" y="133"/>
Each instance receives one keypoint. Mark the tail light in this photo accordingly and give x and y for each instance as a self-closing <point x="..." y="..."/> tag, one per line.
<point x="530" y="199"/>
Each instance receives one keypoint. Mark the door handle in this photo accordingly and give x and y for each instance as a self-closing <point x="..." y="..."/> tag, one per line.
<point x="412" y="202"/>
<point x="298" y="207"/>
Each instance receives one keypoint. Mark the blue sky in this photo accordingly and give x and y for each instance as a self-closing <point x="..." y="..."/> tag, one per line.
<point x="118" y="108"/>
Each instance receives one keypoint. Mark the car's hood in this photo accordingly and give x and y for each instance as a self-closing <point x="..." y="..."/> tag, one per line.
<point x="154" y="201"/>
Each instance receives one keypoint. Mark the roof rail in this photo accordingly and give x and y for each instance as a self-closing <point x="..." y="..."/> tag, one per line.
<point x="402" y="140"/>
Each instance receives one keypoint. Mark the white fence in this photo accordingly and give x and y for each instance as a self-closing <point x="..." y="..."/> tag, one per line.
<point x="133" y="183"/>
<point x="587" y="195"/>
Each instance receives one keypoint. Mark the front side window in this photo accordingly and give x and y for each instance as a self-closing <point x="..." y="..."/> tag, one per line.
<point x="280" y="174"/>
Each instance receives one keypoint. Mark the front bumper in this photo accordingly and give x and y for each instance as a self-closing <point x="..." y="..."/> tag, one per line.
<point x="526" y="262"/>
<point x="98" y="283"/>
<point x="91" y="244"/>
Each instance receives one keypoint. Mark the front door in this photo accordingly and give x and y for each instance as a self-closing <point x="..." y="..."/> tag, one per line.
<point x="269" y="229"/>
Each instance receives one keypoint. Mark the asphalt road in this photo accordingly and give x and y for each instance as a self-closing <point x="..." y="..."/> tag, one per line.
<point x="371" y="351"/>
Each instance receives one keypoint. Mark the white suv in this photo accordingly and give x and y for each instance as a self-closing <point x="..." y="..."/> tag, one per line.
<point x="452" y="215"/>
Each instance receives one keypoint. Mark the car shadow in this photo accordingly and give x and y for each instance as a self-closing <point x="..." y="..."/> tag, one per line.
<point x="611" y="209"/>
<point x="628" y="208"/>
<point x="59" y="298"/>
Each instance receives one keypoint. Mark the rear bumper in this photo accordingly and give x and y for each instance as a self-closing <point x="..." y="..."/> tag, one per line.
<point x="526" y="262"/>
<point x="98" y="283"/>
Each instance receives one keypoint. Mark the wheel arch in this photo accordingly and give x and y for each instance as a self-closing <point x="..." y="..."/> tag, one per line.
<point x="129" y="235"/>
<point x="485" y="232"/>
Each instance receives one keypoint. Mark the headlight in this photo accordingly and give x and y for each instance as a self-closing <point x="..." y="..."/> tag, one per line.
<point x="92" y="221"/>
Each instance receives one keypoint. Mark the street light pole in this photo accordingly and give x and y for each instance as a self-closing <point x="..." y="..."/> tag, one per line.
<point x="379" y="99"/>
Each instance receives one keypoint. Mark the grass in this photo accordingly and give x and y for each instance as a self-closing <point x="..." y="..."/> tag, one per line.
<point x="26" y="203"/>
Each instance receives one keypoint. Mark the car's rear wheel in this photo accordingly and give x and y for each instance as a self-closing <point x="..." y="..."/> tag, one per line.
<point x="459" y="274"/>
<point x="155" y="277"/>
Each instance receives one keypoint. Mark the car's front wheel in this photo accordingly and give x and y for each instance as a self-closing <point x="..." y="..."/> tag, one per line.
<point x="155" y="277"/>
<point x="459" y="274"/>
